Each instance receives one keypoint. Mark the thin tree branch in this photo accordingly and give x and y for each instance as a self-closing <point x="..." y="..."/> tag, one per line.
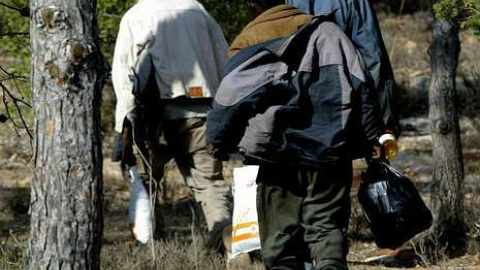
<point x="14" y="77"/>
<point x="7" y="111"/>
<point x="16" y="102"/>
<point x="10" y="7"/>
<point x="194" y="240"/>
<point x="153" y="184"/>
<point x="11" y="34"/>
<point x="13" y="98"/>
<point x="25" y="11"/>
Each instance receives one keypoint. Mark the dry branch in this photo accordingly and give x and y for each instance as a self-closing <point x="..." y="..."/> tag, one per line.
<point x="11" y="34"/>
<point x="24" y="11"/>
<point x="9" y="98"/>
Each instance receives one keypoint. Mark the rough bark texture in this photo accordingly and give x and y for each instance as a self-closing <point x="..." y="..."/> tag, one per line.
<point x="448" y="171"/>
<point x="66" y="206"/>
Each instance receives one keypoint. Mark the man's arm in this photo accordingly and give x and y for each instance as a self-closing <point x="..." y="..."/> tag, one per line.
<point x="371" y="121"/>
<point x="367" y="37"/>
<point x="122" y="84"/>
<point x="220" y="45"/>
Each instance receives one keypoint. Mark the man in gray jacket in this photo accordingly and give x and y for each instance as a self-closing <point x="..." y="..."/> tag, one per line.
<point x="299" y="105"/>
<point x="175" y="52"/>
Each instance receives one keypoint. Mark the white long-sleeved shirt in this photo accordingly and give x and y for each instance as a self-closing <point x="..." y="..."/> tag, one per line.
<point x="179" y="40"/>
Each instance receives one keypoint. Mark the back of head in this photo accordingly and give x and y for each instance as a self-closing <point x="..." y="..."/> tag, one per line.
<point x="266" y="3"/>
<point x="259" y="6"/>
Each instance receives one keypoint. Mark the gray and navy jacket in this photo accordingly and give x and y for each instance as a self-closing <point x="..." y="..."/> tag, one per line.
<point x="302" y="100"/>
<point x="358" y="21"/>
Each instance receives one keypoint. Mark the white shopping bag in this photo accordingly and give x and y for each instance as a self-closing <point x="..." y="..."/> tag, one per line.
<point x="139" y="212"/>
<point x="245" y="232"/>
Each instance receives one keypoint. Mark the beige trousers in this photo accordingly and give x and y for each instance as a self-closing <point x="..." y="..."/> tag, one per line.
<point x="184" y="140"/>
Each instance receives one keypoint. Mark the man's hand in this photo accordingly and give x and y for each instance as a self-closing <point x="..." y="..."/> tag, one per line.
<point x="211" y="150"/>
<point x="217" y="153"/>
<point x="376" y="152"/>
<point x="128" y="157"/>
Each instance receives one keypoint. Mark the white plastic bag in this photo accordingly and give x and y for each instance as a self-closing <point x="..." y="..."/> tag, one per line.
<point x="139" y="212"/>
<point x="245" y="232"/>
<point x="245" y="229"/>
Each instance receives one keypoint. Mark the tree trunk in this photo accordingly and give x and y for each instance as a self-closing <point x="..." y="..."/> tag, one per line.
<point x="447" y="196"/>
<point x="66" y="206"/>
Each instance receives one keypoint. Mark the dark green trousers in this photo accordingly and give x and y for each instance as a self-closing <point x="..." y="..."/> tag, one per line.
<point x="303" y="215"/>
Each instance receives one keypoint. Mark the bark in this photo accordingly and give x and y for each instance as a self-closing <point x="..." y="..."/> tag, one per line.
<point x="448" y="172"/>
<point x="66" y="189"/>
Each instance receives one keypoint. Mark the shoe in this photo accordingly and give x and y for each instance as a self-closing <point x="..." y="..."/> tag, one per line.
<point x="240" y="262"/>
<point x="227" y="242"/>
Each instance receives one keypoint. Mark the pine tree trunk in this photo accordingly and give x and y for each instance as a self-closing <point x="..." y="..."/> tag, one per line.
<point x="447" y="196"/>
<point x="66" y="206"/>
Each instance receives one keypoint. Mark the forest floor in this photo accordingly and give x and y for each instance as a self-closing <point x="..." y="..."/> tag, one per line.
<point x="407" y="38"/>
<point x="182" y="246"/>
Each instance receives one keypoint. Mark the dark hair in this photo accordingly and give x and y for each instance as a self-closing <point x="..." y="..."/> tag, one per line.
<point x="266" y="3"/>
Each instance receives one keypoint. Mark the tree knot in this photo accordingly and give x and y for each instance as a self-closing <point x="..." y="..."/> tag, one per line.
<point x="77" y="51"/>
<point x="442" y="127"/>
<point x="51" y="18"/>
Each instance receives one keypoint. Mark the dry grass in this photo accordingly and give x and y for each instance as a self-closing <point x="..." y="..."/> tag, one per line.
<point x="13" y="252"/>
<point x="174" y="254"/>
<point x="472" y="212"/>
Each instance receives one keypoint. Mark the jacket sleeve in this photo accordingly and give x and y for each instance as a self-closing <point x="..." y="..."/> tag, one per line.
<point x="304" y="5"/>
<point x="142" y="68"/>
<point x="371" y="121"/>
<point x="123" y="59"/>
<point x="226" y="124"/>
<point x="220" y="45"/>
<point x="228" y="120"/>
<point x="359" y="22"/>
<point x="366" y="35"/>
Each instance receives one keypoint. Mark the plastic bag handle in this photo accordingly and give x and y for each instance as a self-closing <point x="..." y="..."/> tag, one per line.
<point x="386" y="168"/>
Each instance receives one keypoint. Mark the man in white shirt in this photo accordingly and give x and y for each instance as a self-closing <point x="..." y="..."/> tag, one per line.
<point x="179" y="46"/>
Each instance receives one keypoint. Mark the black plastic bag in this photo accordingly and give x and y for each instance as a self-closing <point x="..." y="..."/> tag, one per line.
<point x="392" y="206"/>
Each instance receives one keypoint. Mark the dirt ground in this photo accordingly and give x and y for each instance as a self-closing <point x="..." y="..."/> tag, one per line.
<point x="407" y="38"/>
<point x="182" y="238"/>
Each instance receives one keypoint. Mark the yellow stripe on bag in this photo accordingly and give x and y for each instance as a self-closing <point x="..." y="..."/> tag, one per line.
<point x="244" y="225"/>
<point x="242" y="237"/>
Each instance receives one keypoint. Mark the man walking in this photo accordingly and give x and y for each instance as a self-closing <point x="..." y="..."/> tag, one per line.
<point x="168" y="62"/>
<point x="296" y="100"/>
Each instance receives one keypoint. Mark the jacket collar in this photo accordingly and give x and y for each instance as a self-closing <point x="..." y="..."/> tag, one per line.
<point x="275" y="13"/>
<point x="279" y="46"/>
